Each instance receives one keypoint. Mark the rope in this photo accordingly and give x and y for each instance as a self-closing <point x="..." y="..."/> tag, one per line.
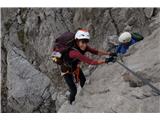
<point x="139" y="77"/>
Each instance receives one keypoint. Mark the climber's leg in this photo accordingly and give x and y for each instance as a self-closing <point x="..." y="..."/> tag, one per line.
<point x="73" y="89"/>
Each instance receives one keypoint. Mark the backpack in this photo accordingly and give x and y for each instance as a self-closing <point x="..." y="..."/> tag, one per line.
<point x="137" y="36"/>
<point x="61" y="46"/>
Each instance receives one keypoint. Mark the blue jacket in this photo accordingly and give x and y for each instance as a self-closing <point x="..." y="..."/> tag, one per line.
<point x="122" y="48"/>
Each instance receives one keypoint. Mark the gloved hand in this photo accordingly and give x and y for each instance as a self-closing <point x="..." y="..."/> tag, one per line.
<point x="110" y="59"/>
<point x="113" y="54"/>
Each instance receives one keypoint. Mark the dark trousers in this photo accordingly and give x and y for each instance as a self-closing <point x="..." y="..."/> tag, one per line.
<point x="69" y="78"/>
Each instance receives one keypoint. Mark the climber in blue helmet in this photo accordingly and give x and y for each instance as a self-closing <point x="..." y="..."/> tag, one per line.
<point x="126" y="39"/>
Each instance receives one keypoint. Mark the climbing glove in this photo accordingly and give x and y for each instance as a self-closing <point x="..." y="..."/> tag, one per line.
<point x="110" y="59"/>
<point x="113" y="54"/>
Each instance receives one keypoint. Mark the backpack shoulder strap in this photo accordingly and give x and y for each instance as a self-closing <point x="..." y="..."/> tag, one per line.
<point x="73" y="48"/>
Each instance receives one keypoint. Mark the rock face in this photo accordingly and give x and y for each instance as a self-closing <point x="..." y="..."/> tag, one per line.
<point x="109" y="91"/>
<point x="31" y="81"/>
<point x="28" y="89"/>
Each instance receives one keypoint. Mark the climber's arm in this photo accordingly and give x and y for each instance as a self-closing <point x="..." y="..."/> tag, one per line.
<point x="97" y="52"/>
<point x="76" y="54"/>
